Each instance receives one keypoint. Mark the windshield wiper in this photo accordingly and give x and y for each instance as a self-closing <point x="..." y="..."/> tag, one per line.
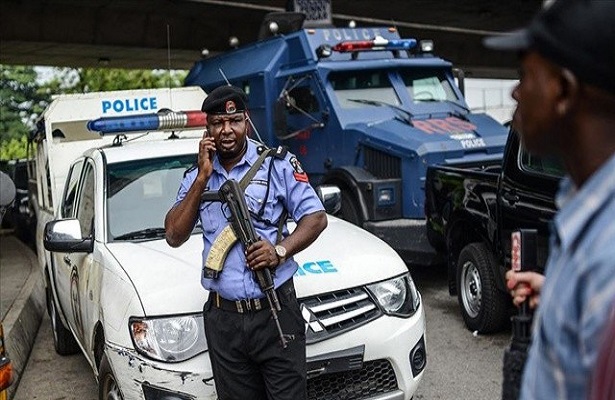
<point x="147" y="233"/>
<point x="407" y="118"/>
<point x="458" y="114"/>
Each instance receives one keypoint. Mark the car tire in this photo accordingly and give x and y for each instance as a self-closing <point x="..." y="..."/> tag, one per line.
<point x="63" y="340"/>
<point x="108" y="388"/>
<point x="349" y="209"/>
<point x="484" y="308"/>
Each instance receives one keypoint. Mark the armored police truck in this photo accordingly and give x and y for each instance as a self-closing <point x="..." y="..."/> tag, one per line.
<point x="133" y="305"/>
<point x="365" y="110"/>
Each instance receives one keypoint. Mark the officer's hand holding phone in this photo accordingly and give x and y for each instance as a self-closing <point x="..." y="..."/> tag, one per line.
<point x="207" y="150"/>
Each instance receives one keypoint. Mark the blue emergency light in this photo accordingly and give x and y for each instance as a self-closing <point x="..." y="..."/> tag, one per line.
<point x="148" y="122"/>
<point x="378" y="43"/>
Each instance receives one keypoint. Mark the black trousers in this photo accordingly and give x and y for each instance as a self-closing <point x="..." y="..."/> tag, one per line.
<point x="247" y="357"/>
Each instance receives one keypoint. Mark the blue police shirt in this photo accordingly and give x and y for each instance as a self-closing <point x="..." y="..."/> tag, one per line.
<point x="578" y="293"/>
<point x="288" y="189"/>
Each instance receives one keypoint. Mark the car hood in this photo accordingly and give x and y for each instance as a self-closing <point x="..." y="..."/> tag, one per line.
<point x="441" y="135"/>
<point x="167" y="279"/>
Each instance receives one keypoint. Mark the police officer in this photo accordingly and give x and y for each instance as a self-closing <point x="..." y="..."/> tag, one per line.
<point x="247" y="357"/>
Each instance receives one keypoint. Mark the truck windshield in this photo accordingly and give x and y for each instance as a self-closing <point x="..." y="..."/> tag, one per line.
<point x="139" y="194"/>
<point x="350" y="86"/>
<point x="427" y="85"/>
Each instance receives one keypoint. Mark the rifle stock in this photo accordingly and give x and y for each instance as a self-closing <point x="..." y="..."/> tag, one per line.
<point x="230" y="193"/>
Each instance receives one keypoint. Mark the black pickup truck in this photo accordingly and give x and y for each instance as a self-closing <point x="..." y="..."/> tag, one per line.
<point x="471" y="212"/>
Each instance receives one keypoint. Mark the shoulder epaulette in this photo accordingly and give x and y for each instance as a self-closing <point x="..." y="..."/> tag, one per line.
<point x="280" y="152"/>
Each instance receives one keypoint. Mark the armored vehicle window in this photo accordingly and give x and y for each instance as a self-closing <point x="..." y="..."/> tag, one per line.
<point x="304" y="100"/>
<point x="365" y="86"/>
<point x="427" y="85"/>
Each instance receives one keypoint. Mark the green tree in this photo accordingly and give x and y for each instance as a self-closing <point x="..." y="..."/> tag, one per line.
<point x="85" y="80"/>
<point x="21" y="101"/>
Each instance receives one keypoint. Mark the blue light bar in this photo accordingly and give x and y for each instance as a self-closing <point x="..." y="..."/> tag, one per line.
<point x="148" y="122"/>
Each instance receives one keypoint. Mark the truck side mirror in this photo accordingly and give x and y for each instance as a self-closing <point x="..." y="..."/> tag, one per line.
<point x="64" y="236"/>
<point x="460" y="77"/>
<point x="331" y="197"/>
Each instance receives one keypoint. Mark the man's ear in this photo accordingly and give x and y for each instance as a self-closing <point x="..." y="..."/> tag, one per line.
<point x="248" y="124"/>
<point x="569" y="91"/>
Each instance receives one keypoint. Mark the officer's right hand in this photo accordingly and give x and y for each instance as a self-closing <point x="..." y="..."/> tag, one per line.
<point x="207" y="150"/>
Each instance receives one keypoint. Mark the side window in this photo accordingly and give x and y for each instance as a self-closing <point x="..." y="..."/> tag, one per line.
<point x="85" y="206"/>
<point x="303" y="100"/>
<point x="547" y="165"/>
<point x="70" y="192"/>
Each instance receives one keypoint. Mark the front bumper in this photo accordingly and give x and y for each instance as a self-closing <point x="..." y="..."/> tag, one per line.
<point x="382" y="372"/>
<point x="385" y="370"/>
<point x="142" y="379"/>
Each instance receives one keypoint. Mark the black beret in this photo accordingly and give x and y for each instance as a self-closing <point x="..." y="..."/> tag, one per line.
<point x="225" y="100"/>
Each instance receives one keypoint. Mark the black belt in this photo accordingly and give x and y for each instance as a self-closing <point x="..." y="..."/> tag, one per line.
<point x="245" y="305"/>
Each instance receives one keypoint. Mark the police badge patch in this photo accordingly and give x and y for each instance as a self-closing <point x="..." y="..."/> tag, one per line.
<point x="299" y="173"/>
<point x="230" y="107"/>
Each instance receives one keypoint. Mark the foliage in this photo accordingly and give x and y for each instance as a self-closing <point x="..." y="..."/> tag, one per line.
<point x="14" y="148"/>
<point x="21" y="100"/>
<point x="85" y="80"/>
<point x="23" y="97"/>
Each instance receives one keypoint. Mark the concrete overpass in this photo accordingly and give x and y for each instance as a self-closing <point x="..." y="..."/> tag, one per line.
<point x="172" y="33"/>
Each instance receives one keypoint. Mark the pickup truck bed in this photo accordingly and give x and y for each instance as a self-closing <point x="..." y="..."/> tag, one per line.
<point x="471" y="213"/>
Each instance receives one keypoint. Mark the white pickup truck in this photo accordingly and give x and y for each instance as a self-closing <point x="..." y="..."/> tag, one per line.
<point x="133" y="305"/>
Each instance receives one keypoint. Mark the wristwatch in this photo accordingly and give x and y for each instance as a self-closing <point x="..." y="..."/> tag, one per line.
<point x="280" y="251"/>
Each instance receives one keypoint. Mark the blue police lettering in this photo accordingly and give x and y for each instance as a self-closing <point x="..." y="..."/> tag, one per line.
<point x="128" y="105"/>
<point x="317" y="267"/>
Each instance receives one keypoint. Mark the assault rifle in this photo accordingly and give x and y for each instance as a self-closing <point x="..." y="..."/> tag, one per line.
<point x="230" y="193"/>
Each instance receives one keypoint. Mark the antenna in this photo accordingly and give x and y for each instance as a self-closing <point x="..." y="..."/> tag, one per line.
<point x="169" y="53"/>
<point x="249" y="120"/>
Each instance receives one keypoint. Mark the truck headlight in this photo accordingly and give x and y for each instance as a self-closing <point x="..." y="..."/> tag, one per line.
<point x="397" y="296"/>
<point x="169" y="339"/>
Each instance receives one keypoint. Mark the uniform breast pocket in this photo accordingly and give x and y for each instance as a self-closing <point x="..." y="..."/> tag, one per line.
<point x="260" y="203"/>
<point x="211" y="216"/>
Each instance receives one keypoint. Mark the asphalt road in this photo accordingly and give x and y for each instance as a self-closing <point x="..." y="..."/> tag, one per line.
<point x="459" y="364"/>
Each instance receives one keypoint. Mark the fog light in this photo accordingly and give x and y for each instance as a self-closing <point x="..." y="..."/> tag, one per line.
<point x="386" y="197"/>
<point x="418" y="357"/>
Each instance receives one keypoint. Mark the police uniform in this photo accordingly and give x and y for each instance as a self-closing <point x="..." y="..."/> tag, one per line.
<point x="247" y="358"/>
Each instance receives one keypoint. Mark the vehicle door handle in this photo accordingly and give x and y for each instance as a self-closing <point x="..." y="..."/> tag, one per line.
<point x="510" y="196"/>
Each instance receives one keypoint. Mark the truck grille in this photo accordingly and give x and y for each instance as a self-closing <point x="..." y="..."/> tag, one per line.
<point x="334" y="313"/>
<point x="376" y="377"/>
<point x="381" y="165"/>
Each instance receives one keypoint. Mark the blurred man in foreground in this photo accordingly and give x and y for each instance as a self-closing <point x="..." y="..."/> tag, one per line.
<point x="566" y="107"/>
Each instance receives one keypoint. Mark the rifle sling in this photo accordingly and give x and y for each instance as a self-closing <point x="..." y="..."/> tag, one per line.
<point x="244" y="182"/>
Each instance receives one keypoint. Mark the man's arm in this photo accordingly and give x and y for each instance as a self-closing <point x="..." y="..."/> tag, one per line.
<point x="262" y="253"/>
<point x="180" y="219"/>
